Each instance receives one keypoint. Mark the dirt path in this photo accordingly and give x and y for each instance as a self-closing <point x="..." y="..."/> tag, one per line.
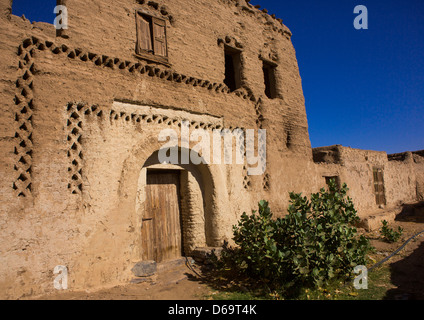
<point x="407" y="267"/>
<point x="181" y="283"/>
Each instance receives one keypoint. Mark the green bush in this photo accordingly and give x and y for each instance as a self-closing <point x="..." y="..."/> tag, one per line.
<point x="314" y="243"/>
<point x="389" y="234"/>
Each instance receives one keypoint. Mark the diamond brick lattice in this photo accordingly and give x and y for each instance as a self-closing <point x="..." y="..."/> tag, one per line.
<point x="76" y="113"/>
<point x="24" y="107"/>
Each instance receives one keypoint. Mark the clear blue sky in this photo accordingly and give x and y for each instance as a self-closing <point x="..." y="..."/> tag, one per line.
<point x="363" y="88"/>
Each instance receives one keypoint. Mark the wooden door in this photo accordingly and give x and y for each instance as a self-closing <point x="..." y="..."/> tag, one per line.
<point x="380" y="197"/>
<point x="161" y="228"/>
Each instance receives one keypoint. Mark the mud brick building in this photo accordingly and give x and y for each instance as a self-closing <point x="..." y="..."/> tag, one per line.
<point x="81" y="111"/>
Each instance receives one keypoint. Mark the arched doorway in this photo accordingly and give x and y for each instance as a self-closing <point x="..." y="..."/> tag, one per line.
<point x="174" y="203"/>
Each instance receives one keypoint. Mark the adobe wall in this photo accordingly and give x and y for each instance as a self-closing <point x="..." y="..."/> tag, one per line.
<point x="355" y="168"/>
<point x="80" y="120"/>
<point x="81" y="115"/>
<point x="402" y="182"/>
<point x="418" y="165"/>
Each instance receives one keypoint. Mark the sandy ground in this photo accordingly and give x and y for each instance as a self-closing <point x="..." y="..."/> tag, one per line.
<point x="179" y="283"/>
<point x="406" y="267"/>
<point x="182" y="283"/>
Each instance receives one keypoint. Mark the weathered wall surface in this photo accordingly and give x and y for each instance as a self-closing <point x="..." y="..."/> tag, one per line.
<point x="72" y="148"/>
<point x="80" y="120"/>
<point x="355" y="168"/>
<point x="401" y="181"/>
<point x="418" y="165"/>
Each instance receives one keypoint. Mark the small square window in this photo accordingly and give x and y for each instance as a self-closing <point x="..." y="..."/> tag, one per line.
<point x="151" y="37"/>
<point x="336" y="179"/>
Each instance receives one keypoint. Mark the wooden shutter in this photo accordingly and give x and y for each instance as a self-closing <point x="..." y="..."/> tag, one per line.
<point x="159" y="37"/>
<point x="144" y="34"/>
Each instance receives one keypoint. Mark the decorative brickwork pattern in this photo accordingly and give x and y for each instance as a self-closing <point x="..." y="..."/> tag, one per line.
<point x="25" y="105"/>
<point x="266" y="182"/>
<point x="76" y="112"/>
<point x="24" y="108"/>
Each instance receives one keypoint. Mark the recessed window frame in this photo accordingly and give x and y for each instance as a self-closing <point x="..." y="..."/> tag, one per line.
<point x="336" y="179"/>
<point x="233" y="68"/>
<point x="270" y="81"/>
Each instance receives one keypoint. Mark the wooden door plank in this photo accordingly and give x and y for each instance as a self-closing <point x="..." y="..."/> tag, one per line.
<point x="163" y="236"/>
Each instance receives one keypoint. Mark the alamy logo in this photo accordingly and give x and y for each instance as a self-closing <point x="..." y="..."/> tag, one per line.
<point x="61" y="281"/>
<point x="361" y="281"/>
<point x="209" y="149"/>
<point x="361" y="21"/>
<point x="61" y="20"/>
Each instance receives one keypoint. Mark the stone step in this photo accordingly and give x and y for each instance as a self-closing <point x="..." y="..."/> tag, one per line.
<point x="407" y="212"/>
<point x="202" y="254"/>
<point x="168" y="271"/>
<point x="374" y="222"/>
